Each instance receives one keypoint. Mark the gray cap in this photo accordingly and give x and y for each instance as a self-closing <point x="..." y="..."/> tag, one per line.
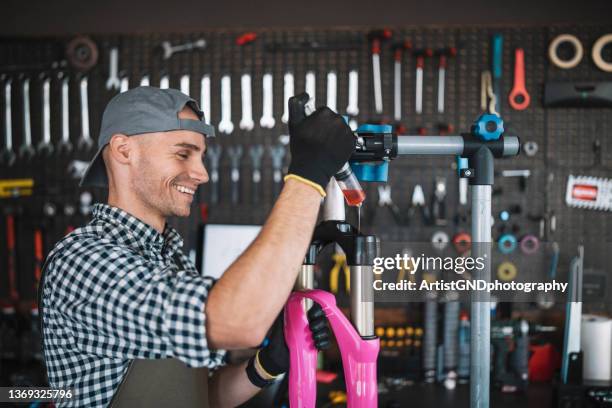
<point x="145" y="109"/>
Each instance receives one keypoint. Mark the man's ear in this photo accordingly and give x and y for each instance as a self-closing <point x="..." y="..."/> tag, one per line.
<point x="121" y="148"/>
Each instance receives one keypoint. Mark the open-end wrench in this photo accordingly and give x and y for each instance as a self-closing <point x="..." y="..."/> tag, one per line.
<point x="8" y="155"/>
<point x="144" y="81"/>
<point x="267" y="117"/>
<point x="170" y="49"/>
<point x="235" y="155"/>
<point x="85" y="141"/>
<point x="353" y="93"/>
<point x="226" y="126"/>
<point x="113" y="78"/>
<point x="277" y="154"/>
<point x="420" y="65"/>
<point x="213" y="154"/>
<point x="45" y="147"/>
<point x="332" y="88"/>
<point x="65" y="146"/>
<point x="164" y="82"/>
<point x="205" y="97"/>
<point x="124" y="83"/>
<point x="311" y="85"/>
<point x="288" y="91"/>
<point x="26" y="150"/>
<point x="185" y="84"/>
<point x="246" y="122"/>
<point x="256" y="153"/>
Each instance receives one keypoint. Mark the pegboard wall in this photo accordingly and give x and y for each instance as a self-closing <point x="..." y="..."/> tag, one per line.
<point x="566" y="136"/>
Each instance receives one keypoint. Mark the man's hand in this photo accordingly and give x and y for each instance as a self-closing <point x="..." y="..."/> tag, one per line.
<point x="274" y="357"/>
<point x="320" y="144"/>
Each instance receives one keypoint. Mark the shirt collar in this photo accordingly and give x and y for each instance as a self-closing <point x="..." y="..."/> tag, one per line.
<point x="138" y="231"/>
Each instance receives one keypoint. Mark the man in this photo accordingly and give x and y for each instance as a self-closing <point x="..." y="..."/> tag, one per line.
<point x="120" y="290"/>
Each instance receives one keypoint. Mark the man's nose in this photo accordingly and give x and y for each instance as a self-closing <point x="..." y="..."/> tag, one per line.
<point x="198" y="172"/>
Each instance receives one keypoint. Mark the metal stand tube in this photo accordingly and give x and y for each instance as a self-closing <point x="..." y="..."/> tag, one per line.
<point x="362" y="303"/>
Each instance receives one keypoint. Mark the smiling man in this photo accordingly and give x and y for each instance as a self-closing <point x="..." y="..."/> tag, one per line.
<point x="127" y="319"/>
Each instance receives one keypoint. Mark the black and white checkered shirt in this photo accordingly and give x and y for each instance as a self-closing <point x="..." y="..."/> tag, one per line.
<point x="112" y="293"/>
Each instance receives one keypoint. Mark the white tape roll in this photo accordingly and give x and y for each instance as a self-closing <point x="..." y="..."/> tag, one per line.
<point x="596" y="339"/>
<point x="596" y="53"/>
<point x="554" y="45"/>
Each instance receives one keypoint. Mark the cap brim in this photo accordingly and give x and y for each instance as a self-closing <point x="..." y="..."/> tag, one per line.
<point x="95" y="174"/>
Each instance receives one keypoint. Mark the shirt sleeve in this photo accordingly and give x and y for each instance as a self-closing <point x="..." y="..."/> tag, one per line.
<point x="118" y="305"/>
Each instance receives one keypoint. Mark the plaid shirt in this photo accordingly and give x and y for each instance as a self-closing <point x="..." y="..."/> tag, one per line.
<point x="114" y="293"/>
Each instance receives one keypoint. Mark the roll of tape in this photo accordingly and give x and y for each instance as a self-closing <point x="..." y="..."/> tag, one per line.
<point x="507" y="243"/>
<point x="530" y="244"/>
<point x="596" y="53"/>
<point x="554" y="46"/>
<point x="462" y="242"/>
<point x="506" y="271"/>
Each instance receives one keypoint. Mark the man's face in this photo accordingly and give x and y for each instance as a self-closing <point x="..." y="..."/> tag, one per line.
<point x="168" y="169"/>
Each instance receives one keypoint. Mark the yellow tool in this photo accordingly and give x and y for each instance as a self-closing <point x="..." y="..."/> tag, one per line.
<point x="337" y="397"/>
<point x="340" y="263"/>
<point x="16" y="187"/>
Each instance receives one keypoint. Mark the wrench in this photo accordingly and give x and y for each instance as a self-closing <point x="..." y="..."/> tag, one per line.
<point x="311" y="86"/>
<point x="164" y="82"/>
<point x="113" y="79"/>
<point x="519" y="98"/>
<point x="85" y="142"/>
<point x="246" y="123"/>
<point x="144" y="81"/>
<point x="169" y="49"/>
<point x="205" y="97"/>
<point x="288" y="92"/>
<point x="26" y="150"/>
<point x="185" y="84"/>
<point x="124" y="84"/>
<point x="267" y="118"/>
<point x="256" y="152"/>
<point x="45" y="147"/>
<point x="378" y="102"/>
<point x="213" y="153"/>
<point x="420" y="65"/>
<point x="331" y="90"/>
<point x="277" y="153"/>
<point x="8" y="156"/>
<point x="235" y="154"/>
<point x="65" y="146"/>
<point x="226" y="126"/>
<point x="353" y="93"/>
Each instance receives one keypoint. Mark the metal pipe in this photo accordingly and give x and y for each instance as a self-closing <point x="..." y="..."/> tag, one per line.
<point x="305" y="281"/>
<point x="438" y="145"/>
<point x="362" y="299"/>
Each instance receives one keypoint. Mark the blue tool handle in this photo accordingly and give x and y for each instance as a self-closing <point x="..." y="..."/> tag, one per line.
<point x="498" y="43"/>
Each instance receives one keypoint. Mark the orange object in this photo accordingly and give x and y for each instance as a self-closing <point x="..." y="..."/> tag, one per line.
<point x="519" y="98"/>
<point x="543" y="363"/>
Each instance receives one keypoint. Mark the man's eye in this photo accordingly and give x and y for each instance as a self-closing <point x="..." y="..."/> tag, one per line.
<point x="183" y="155"/>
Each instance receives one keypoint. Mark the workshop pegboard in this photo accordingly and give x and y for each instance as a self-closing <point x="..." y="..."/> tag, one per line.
<point x="566" y="136"/>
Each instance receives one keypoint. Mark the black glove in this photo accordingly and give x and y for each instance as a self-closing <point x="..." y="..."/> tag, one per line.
<point x="274" y="357"/>
<point x="320" y="144"/>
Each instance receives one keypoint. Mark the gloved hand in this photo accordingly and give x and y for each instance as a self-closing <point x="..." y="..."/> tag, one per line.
<point x="274" y="357"/>
<point x="320" y="143"/>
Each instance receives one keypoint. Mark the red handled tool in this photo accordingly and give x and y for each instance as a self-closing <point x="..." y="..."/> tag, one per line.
<point x="420" y="65"/>
<point x="377" y="36"/>
<point x="10" y="243"/>
<point x="519" y="98"/>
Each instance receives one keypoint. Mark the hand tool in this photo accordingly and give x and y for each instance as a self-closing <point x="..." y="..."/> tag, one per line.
<point x="450" y="340"/>
<point x="488" y="100"/>
<point x="11" y="257"/>
<point x="26" y="151"/>
<point x="573" y="318"/>
<point x="246" y="122"/>
<point x="226" y="126"/>
<point x="418" y="201"/>
<point x="384" y="200"/>
<point x="438" y="205"/>
<point x="443" y="54"/>
<point x="7" y="156"/>
<point x="420" y="55"/>
<point x="213" y="154"/>
<point x="277" y="154"/>
<point x="310" y="86"/>
<point x="85" y="200"/>
<point x="463" y="367"/>
<point x="144" y="81"/>
<point x="169" y="50"/>
<point x="45" y="147"/>
<point x="578" y="94"/>
<point x="397" y="77"/>
<point x="497" y="44"/>
<point x="16" y="187"/>
<point x="440" y="240"/>
<point x="353" y="93"/>
<point x="430" y="337"/>
<point x="113" y="79"/>
<point x="462" y="163"/>
<point x="235" y="154"/>
<point x="288" y="92"/>
<point x="591" y="193"/>
<point x="553" y="50"/>
<point x="82" y="53"/>
<point x="332" y="90"/>
<point x="38" y="257"/>
<point x="124" y="84"/>
<point x="246" y="38"/>
<point x="519" y="98"/>
<point x="530" y="148"/>
<point x="267" y="117"/>
<point x="376" y="37"/>
<point x="256" y="153"/>
<point x="339" y="259"/>
<point x="85" y="142"/>
<point x="164" y="82"/>
<point x="184" y="84"/>
<point x="596" y="53"/>
<point x="205" y="97"/>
